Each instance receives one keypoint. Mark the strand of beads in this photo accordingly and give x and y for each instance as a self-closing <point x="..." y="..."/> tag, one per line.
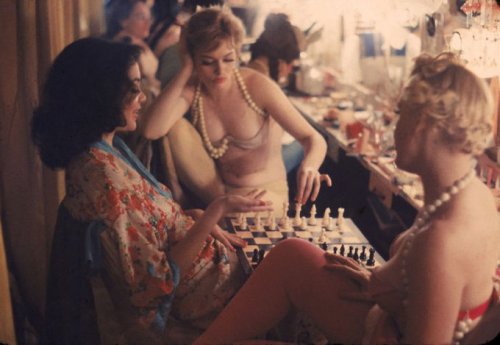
<point x="246" y="95"/>
<point x="198" y="116"/>
<point x="422" y="223"/>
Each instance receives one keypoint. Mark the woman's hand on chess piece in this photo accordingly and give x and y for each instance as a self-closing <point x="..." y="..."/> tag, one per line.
<point x="351" y="268"/>
<point x="227" y="239"/>
<point x="309" y="183"/>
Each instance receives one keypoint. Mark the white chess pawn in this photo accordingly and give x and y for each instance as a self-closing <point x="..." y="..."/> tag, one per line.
<point x="284" y="216"/>
<point x="297" y="221"/>
<point x="340" y="218"/>
<point x="322" y="237"/>
<point x="331" y="224"/>
<point x="312" y="219"/>
<point x="243" y="222"/>
<point x="272" y="224"/>
<point x="303" y="223"/>
<point x="285" y="225"/>
<point x="270" y="217"/>
<point x="326" y="218"/>
<point x="258" y="223"/>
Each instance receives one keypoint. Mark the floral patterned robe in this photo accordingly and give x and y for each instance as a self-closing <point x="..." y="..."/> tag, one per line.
<point x="142" y="223"/>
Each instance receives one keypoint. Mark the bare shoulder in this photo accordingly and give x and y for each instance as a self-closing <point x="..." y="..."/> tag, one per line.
<point x="257" y="82"/>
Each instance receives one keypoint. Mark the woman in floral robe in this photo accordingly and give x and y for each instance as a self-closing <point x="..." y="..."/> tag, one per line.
<point x="160" y="263"/>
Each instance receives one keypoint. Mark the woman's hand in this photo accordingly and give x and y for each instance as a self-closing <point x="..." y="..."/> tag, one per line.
<point x="309" y="183"/>
<point x="227" y="239"/>
<point x="353" y="270"/>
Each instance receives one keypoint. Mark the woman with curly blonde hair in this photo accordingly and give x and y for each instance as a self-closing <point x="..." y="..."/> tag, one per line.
<point x="440" y="279"/>
<point x="240" y="114"/>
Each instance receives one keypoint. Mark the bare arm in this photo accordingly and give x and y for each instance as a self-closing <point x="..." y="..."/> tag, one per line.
<point x="274" y="101"/>
<point x="172" y="103"/>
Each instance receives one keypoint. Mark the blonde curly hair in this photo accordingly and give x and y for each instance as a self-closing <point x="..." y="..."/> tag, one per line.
<point x="207" y="28"/>
<point x="453" y="99"/>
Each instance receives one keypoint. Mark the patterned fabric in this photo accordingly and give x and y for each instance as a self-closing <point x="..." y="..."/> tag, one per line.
<point x="142" y="223"/>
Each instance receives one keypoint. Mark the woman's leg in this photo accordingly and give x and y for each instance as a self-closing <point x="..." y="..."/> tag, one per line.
<point x="291" y="276"/>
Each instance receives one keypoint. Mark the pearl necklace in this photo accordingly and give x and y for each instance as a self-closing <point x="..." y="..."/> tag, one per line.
<point x="199" y="116"/>
<point x="421" y="224"/>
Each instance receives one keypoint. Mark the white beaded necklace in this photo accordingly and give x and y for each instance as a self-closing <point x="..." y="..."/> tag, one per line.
<point x="421" y="224"/>
<point x="198" y="115"/>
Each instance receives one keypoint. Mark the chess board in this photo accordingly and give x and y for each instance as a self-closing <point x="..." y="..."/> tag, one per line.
<point x="261" y="239"/>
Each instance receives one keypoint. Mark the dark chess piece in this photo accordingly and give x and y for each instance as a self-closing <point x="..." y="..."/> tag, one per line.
<point x="255" y="256"/>
<point x="324" y="246"/>
<point x="371" y="259"/>
<point x="311" y="239"/>
<point x="350" y="252"/>
<point x="362" y="257"/>
<point x="342" y="250"/>
<point x="262" y="252"/>
<point x="355" y="256"/>
<point x="335" y="250"/>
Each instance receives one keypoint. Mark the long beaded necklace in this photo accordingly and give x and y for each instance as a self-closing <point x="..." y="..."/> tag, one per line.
<point x="422" y="223"/>
<point x="199" y="116"/>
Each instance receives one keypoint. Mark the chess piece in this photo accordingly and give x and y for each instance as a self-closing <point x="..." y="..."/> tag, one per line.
<point x="303" y="223"/>
<point x="297" y="221"/>
<point x="237" y="219"/>
<point x="262" y="253"/>
<point x="285" y="225"/>
<point x="331" y="224"/>
<point x="270" y="215"/>
<point x="349" y="255"/>
<point x="258" y="223"/>
<point x="243" y="223"/>
<point x="322" y="237"/>
<point x="326" y="218"/>
<point x="340" y="218"/>
<point x="312" y="218"/>
<point x="255" y="256"/>
<point x="284" y="215"/>
<point x="355" y="256"/>
<point x="272" y="222"/>
<point x="335" y="250"/>
<point x="324" y="246"/>
<point x="342" y="250"/>
<point x="371" y="258"/>
<point x="362" y="256"/>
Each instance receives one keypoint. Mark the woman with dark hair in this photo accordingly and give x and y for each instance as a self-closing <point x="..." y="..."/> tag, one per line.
<point x="158" y="262"/>
<point x="276" y="48"/>
<point x="129" y="21"/>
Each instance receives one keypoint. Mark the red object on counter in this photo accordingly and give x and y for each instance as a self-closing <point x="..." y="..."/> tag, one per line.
<point x="353" y="130"/>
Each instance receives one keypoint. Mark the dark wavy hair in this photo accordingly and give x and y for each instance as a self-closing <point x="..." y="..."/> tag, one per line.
<point x="115" y="12"/>
<point x="83" y="98"/>
<point x="276" y="42"/>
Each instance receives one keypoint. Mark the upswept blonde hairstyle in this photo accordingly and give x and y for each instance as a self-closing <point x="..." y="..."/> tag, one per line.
<point x="453" y="99"/>
<point x="207" y="28"/>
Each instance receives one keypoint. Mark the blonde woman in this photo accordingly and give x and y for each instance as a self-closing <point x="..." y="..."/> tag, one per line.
<point x="239" y="113"/>
<point x="440" y="280"/>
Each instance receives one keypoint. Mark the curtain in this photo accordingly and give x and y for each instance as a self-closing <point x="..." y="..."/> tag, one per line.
<point x="33" y="33"/>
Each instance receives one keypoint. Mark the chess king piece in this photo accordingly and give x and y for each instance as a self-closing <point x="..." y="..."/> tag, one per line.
<point x="326" y="218"/>
<point x="340" y="218"/>
<point x="272" y="223"/>
<point x="312" y="218"/>
<point x="284" y="216"/>
<point x="297" y="220"/>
